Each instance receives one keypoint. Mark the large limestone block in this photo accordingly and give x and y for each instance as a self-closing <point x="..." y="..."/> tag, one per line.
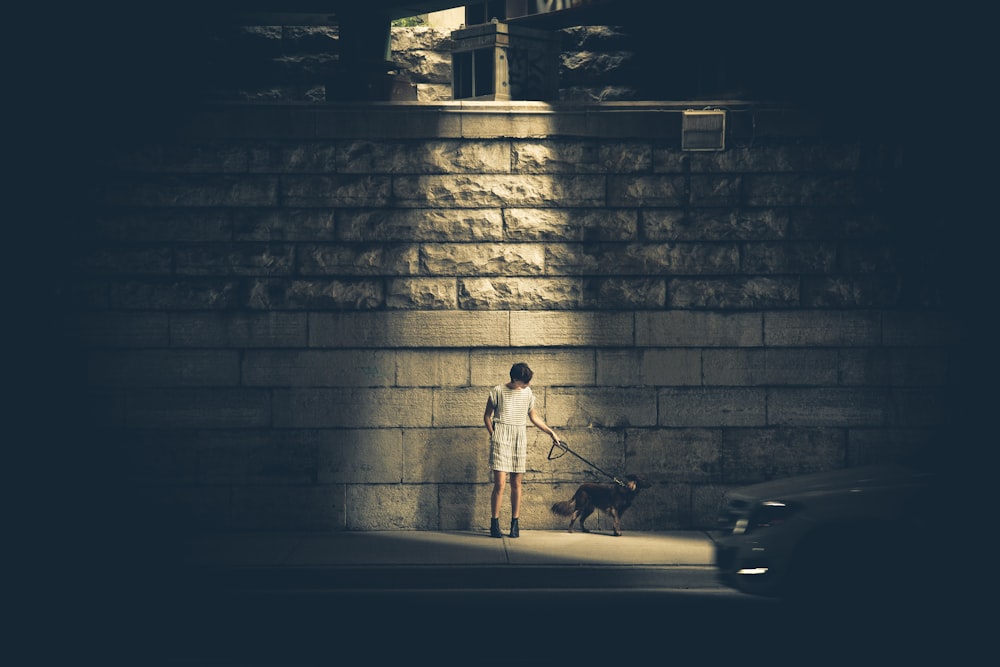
<point x="575" y="329"/>
<point x="755" y="455"/>
<point x="420" y="224"/>
<point x="612" y="407"/>
<point x="520" y="293"/>
<point x="238" y="329"/>
<point x="649" y="367"/>
<point x="351" y="407"/>
<point x="552" y="367"/>
<point x="707" y="407"/>
<point x="446" y="455"/>
<point x="822" y="328"/>
<point x="675" y="455"/>
<point x="392" y="507"/>
<point x="410" y="328"/>
<point x="698" y="329"/>
<point x="360" y="456"/>
<point x="319" y="368"/>
<point x="828" y="406"/>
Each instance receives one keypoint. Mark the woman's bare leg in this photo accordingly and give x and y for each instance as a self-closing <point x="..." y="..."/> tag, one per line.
<point x="515" y="494"/>
<point x="496" y="500"/>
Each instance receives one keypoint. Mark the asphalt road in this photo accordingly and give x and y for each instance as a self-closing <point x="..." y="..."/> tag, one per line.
<point x="606" y="617"/>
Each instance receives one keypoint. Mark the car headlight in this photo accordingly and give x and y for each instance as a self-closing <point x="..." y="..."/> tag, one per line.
<point x="766" y="514"/>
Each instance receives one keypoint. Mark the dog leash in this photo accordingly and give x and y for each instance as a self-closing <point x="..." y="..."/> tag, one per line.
<point x="565" y="448"/>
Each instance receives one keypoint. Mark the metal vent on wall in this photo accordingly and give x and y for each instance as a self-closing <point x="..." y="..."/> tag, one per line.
<point x="703" y="130"/>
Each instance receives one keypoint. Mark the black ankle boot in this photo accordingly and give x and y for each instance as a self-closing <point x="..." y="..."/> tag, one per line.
<point x="514" y="529"/>
<point x="495" y="528"/>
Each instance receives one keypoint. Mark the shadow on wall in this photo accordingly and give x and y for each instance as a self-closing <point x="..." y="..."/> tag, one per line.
<point x="285" y="331"/>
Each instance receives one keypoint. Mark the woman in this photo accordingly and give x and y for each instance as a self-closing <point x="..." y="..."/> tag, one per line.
<point x="508" y="408"/>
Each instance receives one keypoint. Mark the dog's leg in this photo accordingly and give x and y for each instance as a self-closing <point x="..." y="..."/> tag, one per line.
<point x="616" y="520"/>
<point x="586" y="512"/>
<point x="573" y="518"/>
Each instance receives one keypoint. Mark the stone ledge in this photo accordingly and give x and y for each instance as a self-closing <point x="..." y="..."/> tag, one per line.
<point x="480" y="120"/>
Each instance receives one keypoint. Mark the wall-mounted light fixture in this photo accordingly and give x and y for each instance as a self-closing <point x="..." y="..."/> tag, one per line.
<point x="703" y="130"/>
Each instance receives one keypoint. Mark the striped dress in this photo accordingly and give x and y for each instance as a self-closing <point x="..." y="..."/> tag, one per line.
<point x="509" y="444"/>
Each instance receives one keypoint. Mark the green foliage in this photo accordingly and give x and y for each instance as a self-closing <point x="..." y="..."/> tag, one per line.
<point x="408" y="22"/>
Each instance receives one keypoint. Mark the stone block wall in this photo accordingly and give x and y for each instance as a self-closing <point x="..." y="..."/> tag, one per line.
<point x="291" y="314"/>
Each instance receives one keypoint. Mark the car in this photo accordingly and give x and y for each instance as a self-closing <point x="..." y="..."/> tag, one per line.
<point x="861" y="531"/>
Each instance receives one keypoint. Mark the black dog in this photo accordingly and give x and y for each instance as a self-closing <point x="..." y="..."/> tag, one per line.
<point x="612" y="499"/>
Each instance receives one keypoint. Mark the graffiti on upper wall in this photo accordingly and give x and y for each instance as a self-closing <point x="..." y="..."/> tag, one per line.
<point x="544" y="6"/>
<point x="529" y="75"/>
<point x="517" y="8"/>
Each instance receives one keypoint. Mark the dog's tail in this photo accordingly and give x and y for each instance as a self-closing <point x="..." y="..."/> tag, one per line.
<point x="564" y="508"/>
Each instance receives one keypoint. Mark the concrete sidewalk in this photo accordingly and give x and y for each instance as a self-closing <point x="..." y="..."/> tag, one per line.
<point x="409" y="548"/>
<point x="452" y="559"/>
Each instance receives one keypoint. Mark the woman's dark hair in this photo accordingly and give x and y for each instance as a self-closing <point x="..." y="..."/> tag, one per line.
<point x="520" y="371"/>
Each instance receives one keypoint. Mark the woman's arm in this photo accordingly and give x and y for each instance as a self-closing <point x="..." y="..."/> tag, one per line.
<point x="537" y="421"/>
<point x="488" y="416"/>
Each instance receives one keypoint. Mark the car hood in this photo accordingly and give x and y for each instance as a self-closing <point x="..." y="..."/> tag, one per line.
<point x="865" y="477"/>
